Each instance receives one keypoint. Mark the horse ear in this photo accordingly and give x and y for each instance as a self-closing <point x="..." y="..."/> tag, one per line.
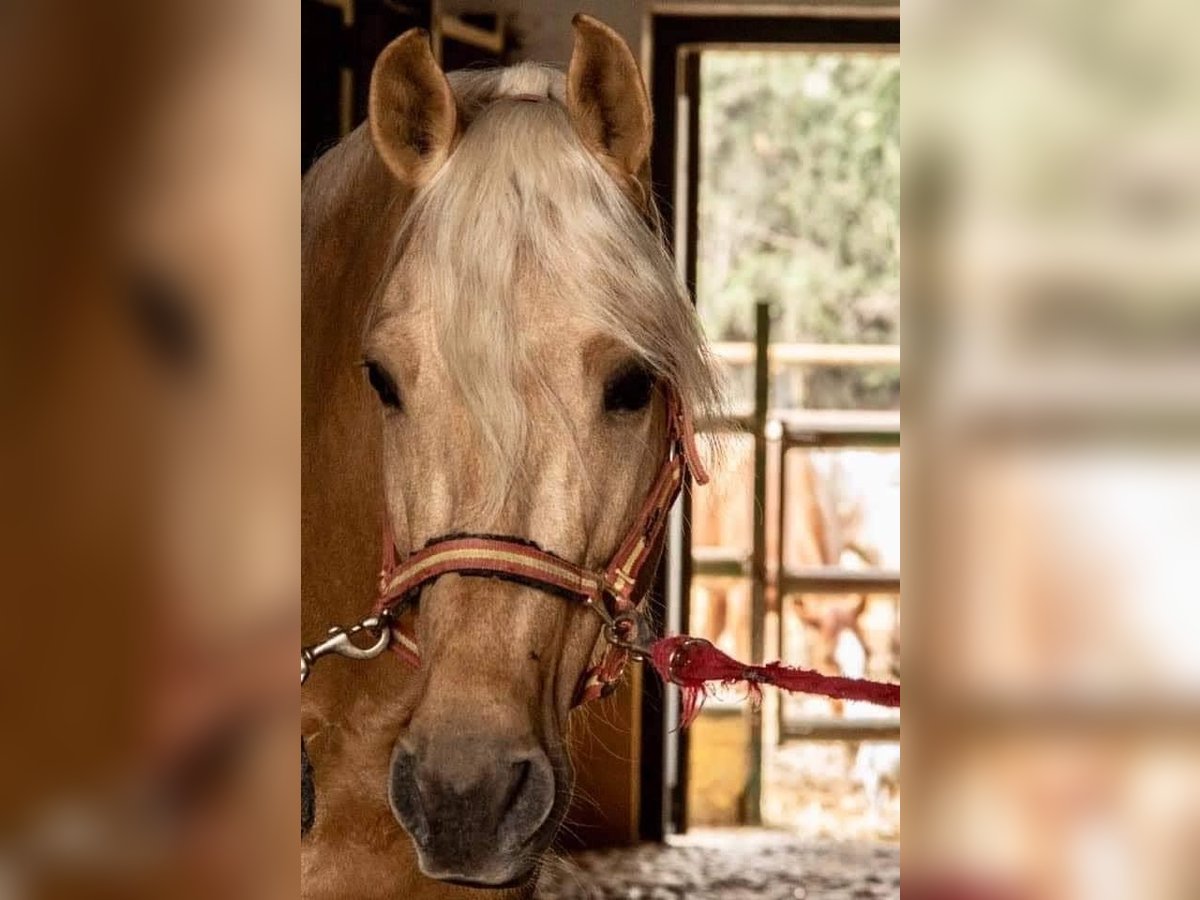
<point x="411" y="108"/>
<point x="606" y="96"/>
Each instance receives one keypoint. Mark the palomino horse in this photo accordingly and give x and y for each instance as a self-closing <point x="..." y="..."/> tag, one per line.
<point x="491" y="329"/>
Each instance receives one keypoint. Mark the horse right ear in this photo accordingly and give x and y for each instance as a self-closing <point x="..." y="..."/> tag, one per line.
<point x="412" y="113"/>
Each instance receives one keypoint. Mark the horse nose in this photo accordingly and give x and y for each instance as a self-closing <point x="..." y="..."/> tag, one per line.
<point x="472" y="804"/>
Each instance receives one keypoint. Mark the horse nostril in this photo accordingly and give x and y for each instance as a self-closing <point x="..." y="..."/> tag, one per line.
<point x="520" y="777"/>
<point x="404" y="793"/>
<point x="529" y="798"/>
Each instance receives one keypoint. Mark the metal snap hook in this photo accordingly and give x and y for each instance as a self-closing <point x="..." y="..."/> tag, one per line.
<point x="340" y="642"/>
<point x="596" y="604"/>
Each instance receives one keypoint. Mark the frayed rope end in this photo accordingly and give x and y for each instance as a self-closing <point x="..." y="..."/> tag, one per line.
<point x="694" y="664"/>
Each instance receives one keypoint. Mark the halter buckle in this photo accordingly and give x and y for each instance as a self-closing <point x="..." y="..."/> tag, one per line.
<point x="628" y="631"/>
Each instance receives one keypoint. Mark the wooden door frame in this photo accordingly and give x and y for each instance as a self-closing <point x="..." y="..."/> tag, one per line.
<point x="675" y="35"/>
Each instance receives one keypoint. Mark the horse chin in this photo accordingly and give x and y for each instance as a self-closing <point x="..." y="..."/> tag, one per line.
<point x="511" y="884"/>
<point x="496" y="878"/>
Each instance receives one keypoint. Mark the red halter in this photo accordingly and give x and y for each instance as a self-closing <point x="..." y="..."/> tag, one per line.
<point x="613" y="592"/>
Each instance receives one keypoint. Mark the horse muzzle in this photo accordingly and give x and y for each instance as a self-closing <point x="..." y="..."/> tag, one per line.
<point x="477" y="807"/>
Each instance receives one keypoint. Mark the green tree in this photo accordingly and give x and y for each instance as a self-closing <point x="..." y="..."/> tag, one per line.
<point x="799" y="205"/>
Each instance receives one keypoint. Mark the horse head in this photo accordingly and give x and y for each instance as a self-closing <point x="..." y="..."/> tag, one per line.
<point x="517" y="345"/>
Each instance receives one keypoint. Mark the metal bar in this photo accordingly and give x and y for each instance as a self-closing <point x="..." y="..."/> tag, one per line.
<point x="676" y="741"/>
<point x="721" y="568"/>
<point x="780" y="535"/>
<point x="841" y="440"/>
<point x="688" y="107"/>
<point x="835" y="580"/>
<point x="841" y="730"/>
<point x="758" y="559"/>
<point x="812" y="354"/>
<point x="818" y="428"/>
<point x="716" y="562"/>
<point x="833" y="420"/>
<point x="830" y="428"/>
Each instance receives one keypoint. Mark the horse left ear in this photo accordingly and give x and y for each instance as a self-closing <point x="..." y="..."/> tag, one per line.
<point x="607" y="98"/>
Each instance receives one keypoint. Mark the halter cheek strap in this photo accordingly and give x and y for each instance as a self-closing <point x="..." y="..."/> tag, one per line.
<point x="613" y="592"/>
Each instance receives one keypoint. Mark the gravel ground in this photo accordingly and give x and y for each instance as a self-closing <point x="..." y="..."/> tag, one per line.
<point x="733" y="864"/>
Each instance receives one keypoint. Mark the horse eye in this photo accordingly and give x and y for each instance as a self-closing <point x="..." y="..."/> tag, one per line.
<point x="383" y="385"/>
<point x="629" y="389"/>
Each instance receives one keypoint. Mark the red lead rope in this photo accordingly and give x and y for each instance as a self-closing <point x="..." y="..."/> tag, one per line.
<point x="694" y="664"/>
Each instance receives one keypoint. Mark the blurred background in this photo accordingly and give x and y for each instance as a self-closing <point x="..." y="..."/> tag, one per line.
<point x="149" y="453"/>
<point x="149" y="477"/>
<point x="1052" y="282"/>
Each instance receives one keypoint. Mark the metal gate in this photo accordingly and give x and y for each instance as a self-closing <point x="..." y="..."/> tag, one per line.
<point x="781" y="434"/>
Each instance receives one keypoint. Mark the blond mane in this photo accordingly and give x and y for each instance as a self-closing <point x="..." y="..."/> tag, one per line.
<point x="554" y="214"/>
